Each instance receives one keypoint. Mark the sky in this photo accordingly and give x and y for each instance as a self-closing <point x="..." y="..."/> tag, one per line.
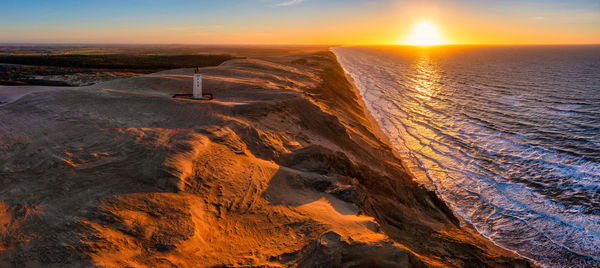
<point x="298" y="21"/>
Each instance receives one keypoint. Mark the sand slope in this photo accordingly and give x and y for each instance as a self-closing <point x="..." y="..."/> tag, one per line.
<point x="283" y="168"/>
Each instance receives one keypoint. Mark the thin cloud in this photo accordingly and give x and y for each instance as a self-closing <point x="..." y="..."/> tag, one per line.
<point x="289" y="3"/>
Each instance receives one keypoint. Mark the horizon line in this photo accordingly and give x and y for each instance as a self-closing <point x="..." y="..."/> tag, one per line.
<point x="292" y="44"/>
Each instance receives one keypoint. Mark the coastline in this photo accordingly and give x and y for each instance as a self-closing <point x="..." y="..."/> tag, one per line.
<point x="287" y="162"/>
<point x="464" y="223"/>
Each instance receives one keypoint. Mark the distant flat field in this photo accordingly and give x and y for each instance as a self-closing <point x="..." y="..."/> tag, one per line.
<point x="98" y="49"/>
<point x="80" y="65"/>
<point x="80" y="70"/>
<point x="118" y="61"/>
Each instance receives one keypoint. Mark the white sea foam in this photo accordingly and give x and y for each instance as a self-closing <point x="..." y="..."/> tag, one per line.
<point x="511" y="152"/>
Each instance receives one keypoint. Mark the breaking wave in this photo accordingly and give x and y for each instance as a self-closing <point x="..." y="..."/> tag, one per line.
<point x="508" y="136"/>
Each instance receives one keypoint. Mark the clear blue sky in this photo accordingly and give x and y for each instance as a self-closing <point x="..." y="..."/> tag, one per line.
<point x="296" y="21"/>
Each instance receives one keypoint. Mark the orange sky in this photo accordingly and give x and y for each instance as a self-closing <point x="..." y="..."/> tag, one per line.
<point x="299" y="21"/>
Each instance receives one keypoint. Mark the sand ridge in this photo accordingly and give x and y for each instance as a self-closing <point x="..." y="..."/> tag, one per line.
<point x="283" y="169"/>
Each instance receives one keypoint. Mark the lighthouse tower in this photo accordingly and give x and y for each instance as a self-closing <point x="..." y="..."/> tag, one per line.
<point x="197" y="84"/>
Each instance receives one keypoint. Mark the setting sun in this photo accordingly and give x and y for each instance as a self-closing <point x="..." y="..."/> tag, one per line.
<point x="300" y="133"/>
<point x="424" y="33"/>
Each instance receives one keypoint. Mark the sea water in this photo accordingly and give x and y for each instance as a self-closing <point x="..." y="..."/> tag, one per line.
<point x="508" y="136"/>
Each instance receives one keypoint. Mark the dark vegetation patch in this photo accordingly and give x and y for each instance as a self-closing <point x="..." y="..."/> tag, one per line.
<point x="118" y="61"/>
<point x="55" y="70"/>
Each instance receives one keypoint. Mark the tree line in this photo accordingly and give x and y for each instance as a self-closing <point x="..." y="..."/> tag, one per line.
<point x="118" y="61"/>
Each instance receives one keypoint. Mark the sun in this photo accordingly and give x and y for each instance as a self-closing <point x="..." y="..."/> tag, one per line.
<point x="424" y="34"/>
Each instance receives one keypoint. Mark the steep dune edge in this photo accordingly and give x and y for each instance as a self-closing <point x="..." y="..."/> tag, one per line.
<point x="284" y="168"/>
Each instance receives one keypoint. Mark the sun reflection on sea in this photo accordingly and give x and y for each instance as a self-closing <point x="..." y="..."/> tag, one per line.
<point x="427" y="77"/>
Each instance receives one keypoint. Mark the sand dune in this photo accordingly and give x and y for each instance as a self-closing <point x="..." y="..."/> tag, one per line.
<point x="283" y="168"/>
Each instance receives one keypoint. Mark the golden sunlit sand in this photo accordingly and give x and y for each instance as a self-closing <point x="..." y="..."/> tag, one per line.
<point x="284" y="168"/>
<point x="299" y="133"/>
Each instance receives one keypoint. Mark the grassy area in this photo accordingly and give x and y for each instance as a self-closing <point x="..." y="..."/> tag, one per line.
<point x="118" y="61"/>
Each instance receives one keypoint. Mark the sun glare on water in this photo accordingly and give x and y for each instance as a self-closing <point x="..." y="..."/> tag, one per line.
<point x="424" y="34"/>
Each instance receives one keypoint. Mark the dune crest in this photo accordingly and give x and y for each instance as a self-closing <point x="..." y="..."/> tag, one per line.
<point x="284" y="168"/>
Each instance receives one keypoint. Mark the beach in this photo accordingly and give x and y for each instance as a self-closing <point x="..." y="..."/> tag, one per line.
<point x="285" y="167"/>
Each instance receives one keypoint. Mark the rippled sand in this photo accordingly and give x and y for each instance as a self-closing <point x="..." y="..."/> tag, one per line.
<point x="283" y="168"/>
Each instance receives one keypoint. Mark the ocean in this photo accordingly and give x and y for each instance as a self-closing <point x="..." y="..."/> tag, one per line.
<point x="508" y="136"/>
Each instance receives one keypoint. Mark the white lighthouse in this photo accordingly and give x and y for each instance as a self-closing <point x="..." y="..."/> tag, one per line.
<point x="197" y="84"/>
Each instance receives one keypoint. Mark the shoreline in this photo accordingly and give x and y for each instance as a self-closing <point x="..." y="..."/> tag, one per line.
<point x="286" y="162"/>
<point x="382" y="135"/>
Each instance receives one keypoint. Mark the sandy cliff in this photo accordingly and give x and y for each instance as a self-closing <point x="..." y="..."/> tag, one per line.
<point x="283" y="168"/>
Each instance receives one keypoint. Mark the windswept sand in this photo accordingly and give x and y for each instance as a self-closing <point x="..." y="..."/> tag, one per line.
<point x="283" y="168"/>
